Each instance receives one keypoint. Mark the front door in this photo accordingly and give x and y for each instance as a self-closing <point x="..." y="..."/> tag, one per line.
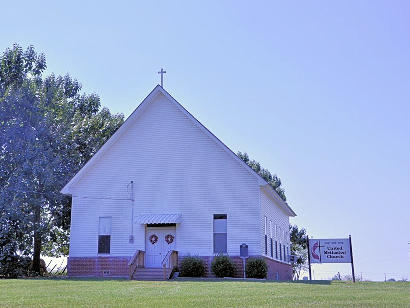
<point x="159" y="240"/>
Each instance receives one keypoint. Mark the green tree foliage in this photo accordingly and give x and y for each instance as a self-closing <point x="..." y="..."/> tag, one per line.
<point x="48" y="131"/>
<point x="272" y="180"/>
<point x="298" y="248"/>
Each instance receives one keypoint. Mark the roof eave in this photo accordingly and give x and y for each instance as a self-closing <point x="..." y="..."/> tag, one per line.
<point x="288" y="210"/>
<point x="66" y="191"/>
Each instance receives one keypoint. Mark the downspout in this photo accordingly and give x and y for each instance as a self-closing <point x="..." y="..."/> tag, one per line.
<point x="131" y="238"/>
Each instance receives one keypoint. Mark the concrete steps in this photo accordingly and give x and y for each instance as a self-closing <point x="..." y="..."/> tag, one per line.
<point x="154" y="274"/>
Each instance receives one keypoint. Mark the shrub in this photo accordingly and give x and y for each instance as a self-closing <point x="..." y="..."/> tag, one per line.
<point x="192" y="267"/>
<point x="14" y="266"/>
<point x="256" y="268"/>
<point x="223" y="266"/>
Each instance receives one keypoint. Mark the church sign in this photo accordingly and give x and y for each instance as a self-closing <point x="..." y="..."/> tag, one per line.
<point x="330" y="251"/>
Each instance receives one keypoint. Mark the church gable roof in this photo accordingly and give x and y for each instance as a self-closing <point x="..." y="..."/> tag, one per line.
<point x="134" y="116"/>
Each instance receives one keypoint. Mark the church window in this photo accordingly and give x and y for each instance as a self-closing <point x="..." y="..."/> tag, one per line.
<point x="104" y="235"/>
<point x="220" y="233"/>
<point x="280" y="251"/>
<point x="266" y="235"/>
<point x="271" y="238"/>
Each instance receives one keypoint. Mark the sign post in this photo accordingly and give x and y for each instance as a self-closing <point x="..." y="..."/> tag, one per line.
<point x="310" y="269"/>
<point x="351" y="256"/>
<point x="244" y="255"/>
<point x="330" y="251"/>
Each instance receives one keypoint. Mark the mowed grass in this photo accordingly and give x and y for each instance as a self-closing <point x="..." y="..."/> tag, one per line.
<point x="70" y="292"/>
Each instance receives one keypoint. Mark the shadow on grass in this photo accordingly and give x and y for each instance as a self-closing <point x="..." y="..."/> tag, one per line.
<point x="325" y="282"/>
<point x="75" y="278"/>
<point x="183" y="279"/>
<point x="189" y="279"/>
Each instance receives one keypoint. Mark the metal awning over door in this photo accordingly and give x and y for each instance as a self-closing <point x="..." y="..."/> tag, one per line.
<point x="158" y="219"/>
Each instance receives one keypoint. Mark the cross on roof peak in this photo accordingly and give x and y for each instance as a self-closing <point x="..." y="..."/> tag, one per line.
<point x="162" y="72"/>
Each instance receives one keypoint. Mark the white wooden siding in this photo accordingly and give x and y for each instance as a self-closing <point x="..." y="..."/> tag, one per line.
<point x="279" y="218"/>
<point x="176" y="168"/>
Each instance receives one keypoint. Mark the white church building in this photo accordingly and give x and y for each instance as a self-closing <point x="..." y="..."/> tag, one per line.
<point x="164" y="187"/>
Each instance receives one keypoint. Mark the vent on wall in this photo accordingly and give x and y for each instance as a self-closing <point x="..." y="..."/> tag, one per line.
<point x="106" y="273"/>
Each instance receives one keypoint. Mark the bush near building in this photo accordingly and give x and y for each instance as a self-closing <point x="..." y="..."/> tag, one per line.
<point x="192" y="267"/>
<point x="256" y="268"/>
<point x="223" y="266"/>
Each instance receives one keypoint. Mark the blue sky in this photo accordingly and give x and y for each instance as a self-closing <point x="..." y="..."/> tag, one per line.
<point x="317" y="91"/>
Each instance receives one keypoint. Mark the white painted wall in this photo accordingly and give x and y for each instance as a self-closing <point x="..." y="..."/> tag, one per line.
<point x="274" y="213"/>
<point x="176" y="168"/>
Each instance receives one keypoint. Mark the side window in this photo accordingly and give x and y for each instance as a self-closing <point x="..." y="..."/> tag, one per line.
<point x="104" y="235"/>
<point x="280" y="251"/>
<point x="266" y="235"/>
<point x="220" y="233"/>
<point x="287" y="253"/>
<point x="271" y="238"/>
<point x="276" y="249"/>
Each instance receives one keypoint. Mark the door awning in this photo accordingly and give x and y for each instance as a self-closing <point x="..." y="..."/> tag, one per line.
<point x="158" y="219"/>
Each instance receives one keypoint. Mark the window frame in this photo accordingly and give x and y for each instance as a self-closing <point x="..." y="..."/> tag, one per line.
<point x="104" y="248"/>
<point x="100" y="244"/>
<point x="280" y="251"/>
<point x="271" y="238"/>
<point x="221" y="217"/>
<point x="266" y="234"/>
<point x="288" y="253"/>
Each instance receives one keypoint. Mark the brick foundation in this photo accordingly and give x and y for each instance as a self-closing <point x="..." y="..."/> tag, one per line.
<point x="118" y="267"/>
<point x="208" y="261"/>
<point x="276" y="270"/>
<point x="98" y="267"/>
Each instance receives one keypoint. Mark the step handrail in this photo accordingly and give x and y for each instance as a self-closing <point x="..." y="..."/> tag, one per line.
<point x="134" y="257"/>
<point x="171" y="262"/>
<point x="166" y="256"/>
<point x="136" y="261"/>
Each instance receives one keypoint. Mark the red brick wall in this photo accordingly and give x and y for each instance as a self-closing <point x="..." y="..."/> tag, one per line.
<point x="96" y="266"/>
<point x="276" y="270"/>
<point x="208" y="261"/>
<point x="118" y="267"/>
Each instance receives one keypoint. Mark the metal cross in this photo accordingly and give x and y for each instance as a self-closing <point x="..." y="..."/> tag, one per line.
<point x="162" y="72"/>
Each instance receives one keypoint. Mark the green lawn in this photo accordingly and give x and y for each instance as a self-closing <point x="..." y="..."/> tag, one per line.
<point x="66" y="292"/>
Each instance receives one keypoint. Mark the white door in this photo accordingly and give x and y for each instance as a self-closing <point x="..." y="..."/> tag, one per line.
<point x="159" y="240"/>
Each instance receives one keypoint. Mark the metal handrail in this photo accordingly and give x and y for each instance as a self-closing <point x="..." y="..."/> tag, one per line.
<point x="166" y="256"/>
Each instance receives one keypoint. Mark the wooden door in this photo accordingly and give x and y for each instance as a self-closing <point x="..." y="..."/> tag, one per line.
<point x="159" y="240"/>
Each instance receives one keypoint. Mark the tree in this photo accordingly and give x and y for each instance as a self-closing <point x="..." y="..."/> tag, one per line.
<point x="272" y="180"/>
<point x="48" y="131"/>
<point x="88" y="127"/>
<point x="298" y="248"/>
<point x="33" y="161"/>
